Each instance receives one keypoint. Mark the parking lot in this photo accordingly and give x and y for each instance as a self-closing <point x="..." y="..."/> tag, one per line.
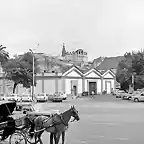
<point x="103" y="120"/>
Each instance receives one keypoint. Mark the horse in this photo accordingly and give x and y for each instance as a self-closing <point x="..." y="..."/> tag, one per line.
<point x="55" y="124"/>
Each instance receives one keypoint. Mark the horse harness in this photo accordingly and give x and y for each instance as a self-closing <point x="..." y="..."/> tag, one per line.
<point x="55" y="123"/>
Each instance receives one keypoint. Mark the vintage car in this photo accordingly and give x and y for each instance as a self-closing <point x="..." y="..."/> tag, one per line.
<point x="13" y="97"/>
<point x="120" y="93"/>
<point x="26" y="98"/>
<point x="31" y="109"/>
<point x="63" y="94"/>
<point x="56" y="97"/>
<point x="128" y="96"/>
<point x="42" y="97"/>
<point x="138" y="97"/>
<point x="3" y="96"/>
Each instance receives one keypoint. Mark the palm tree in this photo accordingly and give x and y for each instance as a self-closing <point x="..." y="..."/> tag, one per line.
<point x="4" y="56"/>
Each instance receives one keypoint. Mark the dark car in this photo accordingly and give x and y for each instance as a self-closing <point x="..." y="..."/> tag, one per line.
<point x="56" y="97"/>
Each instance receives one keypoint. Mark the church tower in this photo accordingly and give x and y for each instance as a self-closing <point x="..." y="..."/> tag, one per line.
<point x="63" y="50"/>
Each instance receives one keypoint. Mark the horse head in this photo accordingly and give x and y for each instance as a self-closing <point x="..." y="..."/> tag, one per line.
<point x="75" y="113"/>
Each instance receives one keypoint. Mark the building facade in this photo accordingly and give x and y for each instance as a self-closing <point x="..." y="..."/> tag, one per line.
<point x="73" y="81"/>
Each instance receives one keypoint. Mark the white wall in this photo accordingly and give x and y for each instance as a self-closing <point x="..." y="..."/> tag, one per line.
<point x="60" y="85"/>
<point x="38" y="88"/>
<point x="68" y="85"/>
<point x="112" y="83"/>
<point x="49" y="86"/>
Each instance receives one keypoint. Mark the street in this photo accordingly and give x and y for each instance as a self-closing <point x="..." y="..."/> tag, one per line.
<point x="104" y="120"/>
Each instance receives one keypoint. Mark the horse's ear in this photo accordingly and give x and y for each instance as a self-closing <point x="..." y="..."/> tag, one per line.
<point x="70" y="105"/>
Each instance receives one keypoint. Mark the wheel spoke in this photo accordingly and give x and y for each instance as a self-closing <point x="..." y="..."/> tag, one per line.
<point x="17" y="138"/>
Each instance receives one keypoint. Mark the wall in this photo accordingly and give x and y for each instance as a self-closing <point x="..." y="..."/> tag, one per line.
<point x="49" y="86"/>
<point x="110" y="80"/>
<point x="68" y="85"/>
<point x="38" y="88"/>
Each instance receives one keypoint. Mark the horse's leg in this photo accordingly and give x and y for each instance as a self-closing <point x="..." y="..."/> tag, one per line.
<point x="63" y="137"/>
<point x="51" y="138"/>
<point x="39" y="137"/>
<point x="57" y="137"/>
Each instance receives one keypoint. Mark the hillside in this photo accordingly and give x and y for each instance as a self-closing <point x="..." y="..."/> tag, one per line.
<point x="110" y="63"/>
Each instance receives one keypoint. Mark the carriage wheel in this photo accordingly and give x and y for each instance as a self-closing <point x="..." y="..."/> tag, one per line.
<point x="31" y="140"/>
<point x="17" y="138"/>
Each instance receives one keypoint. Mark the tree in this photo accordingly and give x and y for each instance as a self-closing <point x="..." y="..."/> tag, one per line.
<point x="4" y="56"/>
<point x="132" y="65"/>
<point x="20" y="70"/>
<point x="124" y="71"/>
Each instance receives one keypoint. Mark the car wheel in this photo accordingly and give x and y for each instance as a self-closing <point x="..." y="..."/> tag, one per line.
<point x="136" y="100"/>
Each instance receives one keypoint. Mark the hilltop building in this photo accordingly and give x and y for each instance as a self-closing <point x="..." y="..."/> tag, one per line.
<point x="75" y="56"/>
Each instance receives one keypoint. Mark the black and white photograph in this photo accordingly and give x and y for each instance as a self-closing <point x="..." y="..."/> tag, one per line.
<point x="72" y="72"/>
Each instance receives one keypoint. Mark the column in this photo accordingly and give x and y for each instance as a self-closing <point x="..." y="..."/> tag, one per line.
<point x="56" y="82"/>
<point x="83" y="84"/>
<point x="101" y="85"/>
<point x="63" y="84"/>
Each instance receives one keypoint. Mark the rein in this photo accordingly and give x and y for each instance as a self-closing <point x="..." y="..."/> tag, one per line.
<point x="63" y="121"/>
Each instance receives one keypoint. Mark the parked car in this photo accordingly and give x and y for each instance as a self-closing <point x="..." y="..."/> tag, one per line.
<point x="64" y="95"/>
<point x="120" y="93"/>
<point x="11" y="97"/>
<point x="56" y="97"/>
<point x="42" y="97"/>
<point x="3" y="96"/>
<point x="138" y="97"/>
<point x="127" y="96"/>
<point x="85" y="93"/>
<point x="26" y="98"/>
<point x="30" y="109"/>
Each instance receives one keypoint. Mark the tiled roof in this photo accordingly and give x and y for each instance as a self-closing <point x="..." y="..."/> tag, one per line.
<point x="110" y="63"/>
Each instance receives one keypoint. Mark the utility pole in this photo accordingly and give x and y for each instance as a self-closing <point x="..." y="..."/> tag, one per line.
<point x="33" y="74"/>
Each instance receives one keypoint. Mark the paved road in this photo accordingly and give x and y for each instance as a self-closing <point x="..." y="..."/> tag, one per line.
<point x="104" y="120"/>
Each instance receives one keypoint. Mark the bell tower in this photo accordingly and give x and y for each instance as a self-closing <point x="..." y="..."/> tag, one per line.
<point x="63" y="50"/>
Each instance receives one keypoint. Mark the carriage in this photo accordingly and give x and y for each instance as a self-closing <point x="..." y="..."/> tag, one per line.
<point x="20" y="134"/>
<point x="9" y="122"/>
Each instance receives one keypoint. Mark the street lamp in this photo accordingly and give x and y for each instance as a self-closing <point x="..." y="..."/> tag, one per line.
<point x="33" y="74"/>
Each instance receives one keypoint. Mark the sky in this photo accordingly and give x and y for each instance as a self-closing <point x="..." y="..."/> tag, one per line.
<point x="99" y="27"/>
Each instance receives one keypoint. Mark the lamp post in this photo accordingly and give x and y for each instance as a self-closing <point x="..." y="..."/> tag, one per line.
<point x="133" y="74"/>
<point x="33" y="74"/>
